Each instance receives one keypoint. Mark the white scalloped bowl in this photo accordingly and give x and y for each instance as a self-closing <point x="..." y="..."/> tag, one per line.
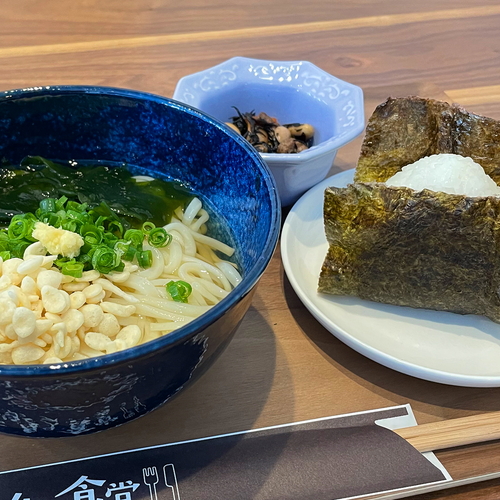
<point x="291" y="91"/>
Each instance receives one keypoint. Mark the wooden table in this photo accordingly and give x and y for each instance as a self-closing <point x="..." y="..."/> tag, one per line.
<point x="282" y="365"/>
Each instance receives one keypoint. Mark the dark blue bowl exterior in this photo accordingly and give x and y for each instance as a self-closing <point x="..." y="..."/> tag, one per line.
<point x="165" y="138"/>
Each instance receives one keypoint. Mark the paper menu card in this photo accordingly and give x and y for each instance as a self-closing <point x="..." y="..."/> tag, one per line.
<point x="323" y="459"/>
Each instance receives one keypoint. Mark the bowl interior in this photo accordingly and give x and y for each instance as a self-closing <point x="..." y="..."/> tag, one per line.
<point x="287" y="104"/>
<point x="160" y="137"/>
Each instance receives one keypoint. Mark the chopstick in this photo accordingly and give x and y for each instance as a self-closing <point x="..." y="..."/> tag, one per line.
<point x="454" y="432"/>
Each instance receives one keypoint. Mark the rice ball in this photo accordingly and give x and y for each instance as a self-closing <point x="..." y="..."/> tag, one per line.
<point x="448" y="173"/>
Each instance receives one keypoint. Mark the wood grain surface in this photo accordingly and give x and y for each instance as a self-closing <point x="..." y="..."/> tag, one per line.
<point x="282" y="366"/>
<point x="453" y="432"/>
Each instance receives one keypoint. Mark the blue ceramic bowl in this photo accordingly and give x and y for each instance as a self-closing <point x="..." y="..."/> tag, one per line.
<point x="167" y="139"/>
<point x="291" y="91"/>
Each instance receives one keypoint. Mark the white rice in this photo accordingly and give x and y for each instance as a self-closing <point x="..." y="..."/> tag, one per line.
<point x="448" y="173"/>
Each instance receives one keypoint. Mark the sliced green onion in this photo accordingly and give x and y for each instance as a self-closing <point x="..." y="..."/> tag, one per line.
<point x="29" y="216"/>
<point x="86" y="260"/>
<point x="91" y="234"/>
<point x="145" y="258"/>
<point x="77" y="207"/>
<point x="104" y="259"/>
<point x="108" y="240"/>
<point x="125" y="249"/>
<point x="179" y="290"/>
<point x="115" y="227"/>
<point x="20" y="228"/>
<point x="135" y="236"/>
<point x="101" y="220"/>
<point x="5" y="255"/>
<point x="73" y="214"/>
<point x="158" y="237"/>
<point x="73" y="225"/>
<point x="61" y="260"/>
<point x="17" y="249"/>
<point x="72" y="268"/>
<point x="51" y="218"/>
<point x="55" y="220"/>
<point x="119" y="268"/>
<point x="48" y="205"/>
<point x="60" y="202"/>
<point x="147" y="227"/>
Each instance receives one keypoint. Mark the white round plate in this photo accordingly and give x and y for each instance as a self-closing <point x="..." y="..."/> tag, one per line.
<point x="437" y="346"/>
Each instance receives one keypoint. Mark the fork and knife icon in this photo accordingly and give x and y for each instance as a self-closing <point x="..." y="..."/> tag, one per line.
<point x="151" y="479"/>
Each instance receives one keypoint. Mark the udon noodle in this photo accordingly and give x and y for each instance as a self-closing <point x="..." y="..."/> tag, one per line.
<point x="101" y="314"/>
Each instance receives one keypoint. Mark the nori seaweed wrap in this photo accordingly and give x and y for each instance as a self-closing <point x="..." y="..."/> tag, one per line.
<point x="420" y="249"/>
<point x="403" y="130"/>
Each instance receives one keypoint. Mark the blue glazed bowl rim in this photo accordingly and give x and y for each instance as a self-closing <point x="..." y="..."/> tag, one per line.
<point x="198" y="324"/>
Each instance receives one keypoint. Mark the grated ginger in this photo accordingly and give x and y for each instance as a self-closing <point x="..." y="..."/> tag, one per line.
<point x="58" y="241"/>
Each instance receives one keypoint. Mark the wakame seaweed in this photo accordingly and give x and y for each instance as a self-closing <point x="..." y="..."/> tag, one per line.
<point x="420" y="249"/>
<point x="23" y="186"/>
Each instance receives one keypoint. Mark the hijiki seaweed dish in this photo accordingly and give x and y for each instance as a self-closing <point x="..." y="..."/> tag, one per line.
<point x="94" y="260"/>
<point x="419" y="225"/>
<point x="266" y="134"/>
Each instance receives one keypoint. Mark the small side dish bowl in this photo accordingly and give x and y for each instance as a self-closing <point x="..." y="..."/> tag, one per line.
<point x="293" y="92"/>
<point x="165" y="139"/>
